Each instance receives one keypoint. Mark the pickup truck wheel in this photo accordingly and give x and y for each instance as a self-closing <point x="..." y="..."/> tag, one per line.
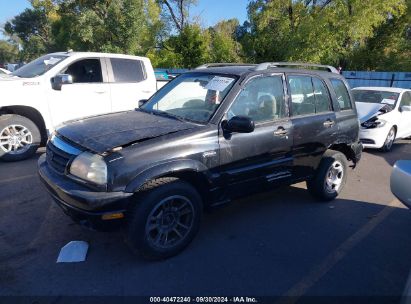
<point x="330" y="177"/>
<point x="19" y="137"/>
<point x="164" y="219"/>
<point x="389" y="140"/>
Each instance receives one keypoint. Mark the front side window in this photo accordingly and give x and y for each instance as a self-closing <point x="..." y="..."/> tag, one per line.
<point x="194" y="97"/>
<point x="85" y="71"/>
<point x="375" y="96"/>
<point x="302" y="95"/>
<point x="341" y="92"/>
<point x="39" y="66"/>
<point x="127" y="70"/>
<point x="262" y="99"/>
<point x="406" y="99"/>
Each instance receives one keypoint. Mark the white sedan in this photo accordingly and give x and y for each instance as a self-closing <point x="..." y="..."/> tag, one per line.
<point x="385" y="115"/>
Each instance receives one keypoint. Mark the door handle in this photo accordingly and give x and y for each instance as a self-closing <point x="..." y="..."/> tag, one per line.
<point x="328" y="123"/>
<point x="100" y="92"/>
<point x="280" y="132"/>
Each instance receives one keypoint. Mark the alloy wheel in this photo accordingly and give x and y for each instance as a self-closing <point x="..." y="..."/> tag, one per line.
<point x="15" y="139"/>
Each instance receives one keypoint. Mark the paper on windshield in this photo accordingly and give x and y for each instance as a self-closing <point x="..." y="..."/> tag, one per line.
<point x="219" y="83"/>
<point x="388" y="101"/>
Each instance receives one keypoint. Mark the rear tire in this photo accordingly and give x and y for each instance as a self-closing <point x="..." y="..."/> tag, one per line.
<point x="330" y="177"/>
<point x="389" y="140"/>
<point x="19" y="137"/>
<point x="164" y="219"/>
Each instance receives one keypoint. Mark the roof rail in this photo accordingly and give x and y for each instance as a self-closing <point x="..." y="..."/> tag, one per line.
<point x="222" y="64"/>
<point x="267" y="65"/>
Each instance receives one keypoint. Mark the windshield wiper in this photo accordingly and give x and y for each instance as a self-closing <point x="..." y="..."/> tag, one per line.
<point x="166" y="114"/>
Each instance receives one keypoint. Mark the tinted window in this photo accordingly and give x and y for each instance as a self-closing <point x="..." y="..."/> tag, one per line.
<point x="261" y="99"/>
<point x="302" y="95"/>
<point x="127" y="70"/>
<point x="341" y="92"/>
<point x="322" y="97"/>
<point x="85" y="71"/>
<point x="406" y="99"/>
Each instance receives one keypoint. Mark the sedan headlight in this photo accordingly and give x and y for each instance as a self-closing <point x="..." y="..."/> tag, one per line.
<point x="374" y="123"/>
<point x="90" y="167"/>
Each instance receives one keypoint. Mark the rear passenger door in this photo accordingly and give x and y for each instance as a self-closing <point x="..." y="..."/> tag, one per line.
<point x="345" y="112"/>
<point x="313" y="120"/>
<point x="128" y="83"/>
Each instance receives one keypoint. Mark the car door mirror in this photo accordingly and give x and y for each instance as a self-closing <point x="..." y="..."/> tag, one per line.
<point x="142" y="102"/>
<point x="60" y="79"/>
<point x="239" y="124"/>
<point x="405" y="108"/>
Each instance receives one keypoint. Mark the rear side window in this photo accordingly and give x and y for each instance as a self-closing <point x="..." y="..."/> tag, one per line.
<point x="302" y="95"/>
<point x="322" y="97"/>
<point x="341" y="92"/>
<point x="127" y="70"/>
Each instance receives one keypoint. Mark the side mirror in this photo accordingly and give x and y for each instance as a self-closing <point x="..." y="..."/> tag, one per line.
<point x="142" y="102"/>
<point x="405" y="108"/>
<point x="60" y="79"/>
<point x="239" y="124"/>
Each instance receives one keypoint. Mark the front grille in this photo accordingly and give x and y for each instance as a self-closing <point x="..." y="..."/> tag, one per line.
<point x="367" y="141"/>
<point x="57" y="158"/>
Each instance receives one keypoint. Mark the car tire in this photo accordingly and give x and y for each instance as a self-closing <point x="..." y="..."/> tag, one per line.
<point x="330" y="177"/>
<point x="389" y="140"/>
<point x="19" y="137"/>
<point x="164" y="219"/>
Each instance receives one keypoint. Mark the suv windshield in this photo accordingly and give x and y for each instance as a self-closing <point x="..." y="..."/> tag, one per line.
<point x="373" y="96"/>
<point x="193" y="97"/>
<point x="38" y="66"/>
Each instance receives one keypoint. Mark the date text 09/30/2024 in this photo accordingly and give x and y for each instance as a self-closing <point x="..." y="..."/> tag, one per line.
<point x="203" y="300"/>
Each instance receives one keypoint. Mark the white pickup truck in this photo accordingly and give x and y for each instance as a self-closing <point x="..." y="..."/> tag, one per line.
<point x="63" y="86"/>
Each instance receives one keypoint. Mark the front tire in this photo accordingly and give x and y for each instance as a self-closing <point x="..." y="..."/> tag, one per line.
<point x="165" y="218"/>
<point x="330" y="177"/>
<point x="389" y="140"/>
<point x="19" y="137"/>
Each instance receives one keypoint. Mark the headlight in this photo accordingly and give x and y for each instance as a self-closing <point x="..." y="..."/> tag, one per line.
<point x="374" y="123"/>
<point x="90" y="167"/>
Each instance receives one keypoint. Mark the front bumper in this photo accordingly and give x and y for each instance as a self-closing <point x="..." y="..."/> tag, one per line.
<point x="79" y="202"/>
<point x="374" y="138"/>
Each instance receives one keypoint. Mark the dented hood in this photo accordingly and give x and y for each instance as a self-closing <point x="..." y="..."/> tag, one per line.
<point x="367" y="110"/>
<point x="105" y="132"/>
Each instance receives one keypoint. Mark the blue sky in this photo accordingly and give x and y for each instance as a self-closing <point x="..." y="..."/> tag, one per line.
<point x="209" y="11"/>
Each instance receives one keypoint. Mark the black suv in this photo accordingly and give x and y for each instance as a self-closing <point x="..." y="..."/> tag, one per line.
<point x="211" y="135"/>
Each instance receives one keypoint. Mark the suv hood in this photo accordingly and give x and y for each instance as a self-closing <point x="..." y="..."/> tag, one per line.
<point x="105" y="132"/>
<point x="367" y="110"/>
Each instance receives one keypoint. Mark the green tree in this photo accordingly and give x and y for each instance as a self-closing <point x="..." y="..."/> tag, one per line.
<point x="389" y="49"/>
<point x="8" y="52"/>
<point x="224" y="47"/>
<point x="33" y="27"/>
<point x="327" y="31"/>
<point x="123" y="26"/>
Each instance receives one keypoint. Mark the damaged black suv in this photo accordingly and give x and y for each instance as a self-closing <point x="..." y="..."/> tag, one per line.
<point x="211" y="135"/>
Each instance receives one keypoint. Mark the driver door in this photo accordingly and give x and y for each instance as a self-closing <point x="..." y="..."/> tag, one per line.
<point x="89" y="94"/>
<point x="263" y="156"/>
<point x="404" y="128"/>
